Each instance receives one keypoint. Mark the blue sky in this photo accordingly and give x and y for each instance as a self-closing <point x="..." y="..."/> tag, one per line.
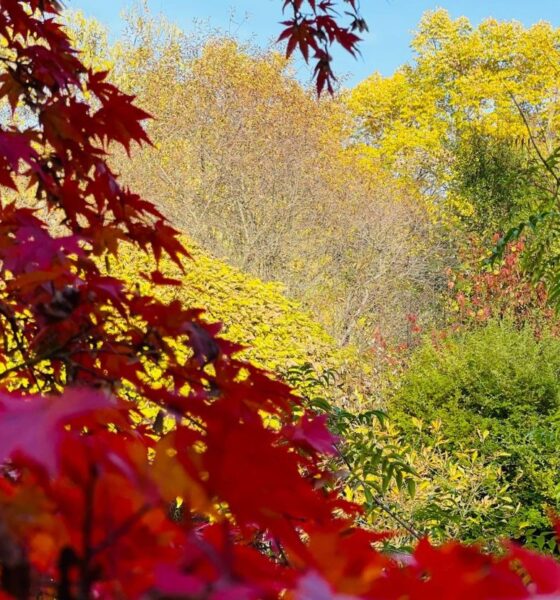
<point x="384" y="48"/>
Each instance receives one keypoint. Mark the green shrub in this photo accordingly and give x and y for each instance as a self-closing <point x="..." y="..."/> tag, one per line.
<point x="494" y="390"/>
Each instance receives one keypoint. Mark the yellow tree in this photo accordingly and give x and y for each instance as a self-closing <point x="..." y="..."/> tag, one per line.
<point x="465" y="85"/>
<point x="260" y="173"/>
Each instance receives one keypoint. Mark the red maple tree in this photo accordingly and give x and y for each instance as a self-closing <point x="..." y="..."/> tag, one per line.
<point x="86" y="483"/>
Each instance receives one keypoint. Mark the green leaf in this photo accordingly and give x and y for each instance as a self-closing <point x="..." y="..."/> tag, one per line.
<point x="411" y="487"/>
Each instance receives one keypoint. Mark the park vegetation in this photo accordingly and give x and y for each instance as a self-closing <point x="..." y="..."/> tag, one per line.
<point x="262" y="340"/>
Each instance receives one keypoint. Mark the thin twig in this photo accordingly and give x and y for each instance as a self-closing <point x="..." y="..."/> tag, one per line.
<point x="535" y="145"/>
<point x="120" y="530"/>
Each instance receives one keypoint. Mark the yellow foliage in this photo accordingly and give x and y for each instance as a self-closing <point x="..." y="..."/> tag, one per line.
<point x="93" y="40"/>
<point x="276" y="331"/>
<point x="463" y="79"/>
<point x="261" y="174"/>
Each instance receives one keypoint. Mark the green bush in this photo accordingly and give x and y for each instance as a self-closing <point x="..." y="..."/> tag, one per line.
<point x="494" y="390"/>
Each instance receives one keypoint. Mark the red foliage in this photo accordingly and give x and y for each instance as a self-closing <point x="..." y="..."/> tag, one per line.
<point x="500" y="291"/>
<point x="313" y="27"/>
<point x="85" y="483"/>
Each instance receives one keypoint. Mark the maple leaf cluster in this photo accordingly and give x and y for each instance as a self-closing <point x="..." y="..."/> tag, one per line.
<point x="313" y="27"/>
<point x="230" y="501"/>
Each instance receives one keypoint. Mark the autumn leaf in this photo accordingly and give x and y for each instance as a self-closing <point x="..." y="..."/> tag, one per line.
<point x="31" y="427"/>
<point x="312" y="432"/>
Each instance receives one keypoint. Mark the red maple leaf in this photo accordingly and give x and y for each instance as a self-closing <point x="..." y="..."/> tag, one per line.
<point x="312" y="433"/>
<point x="31" y="427"/>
